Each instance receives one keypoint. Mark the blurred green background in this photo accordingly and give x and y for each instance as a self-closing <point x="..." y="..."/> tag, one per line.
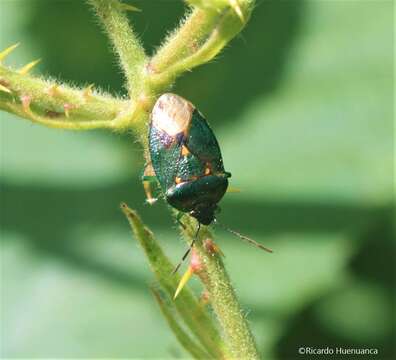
<point x="302" y="105"/>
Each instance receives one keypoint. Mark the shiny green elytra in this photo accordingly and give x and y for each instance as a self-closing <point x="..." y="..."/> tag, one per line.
<point x="186" y="158"/>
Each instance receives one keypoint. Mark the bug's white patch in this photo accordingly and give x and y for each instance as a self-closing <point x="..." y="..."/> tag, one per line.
<point x="172" y="114"/>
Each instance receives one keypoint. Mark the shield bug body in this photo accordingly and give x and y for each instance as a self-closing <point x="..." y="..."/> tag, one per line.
<point x="186" y="158"/>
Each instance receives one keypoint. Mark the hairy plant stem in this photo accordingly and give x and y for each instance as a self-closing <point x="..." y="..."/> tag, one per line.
<point x="184" y="41"/>
<point x="125" y="42"/>
<point x="226" y="306"/>
<point x="222" y="295"/>
<point x="47" y="102"/>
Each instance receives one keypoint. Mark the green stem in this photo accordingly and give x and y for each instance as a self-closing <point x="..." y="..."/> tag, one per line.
<point x="58" y="105"/>
<point x="185" y="40"/>
<point x="219" y="29"/>
<point x="125" y="42"/>
<point x="222" y="296"/>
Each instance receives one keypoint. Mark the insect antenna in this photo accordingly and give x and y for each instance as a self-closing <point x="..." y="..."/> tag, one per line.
<point x="188" y="250"/>
<point x="242" y="237"/>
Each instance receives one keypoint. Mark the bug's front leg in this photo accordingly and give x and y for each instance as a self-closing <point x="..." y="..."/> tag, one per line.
<point x="149" y="182"/>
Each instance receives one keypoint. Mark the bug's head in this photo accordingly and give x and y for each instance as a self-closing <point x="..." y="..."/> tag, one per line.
<point x="205" y="213"/>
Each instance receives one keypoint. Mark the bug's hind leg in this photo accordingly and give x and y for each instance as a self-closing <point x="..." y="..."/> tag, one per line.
<point x="190" y="271"/>
<point x="178" y="219"/>
<point x="149" y="182"/>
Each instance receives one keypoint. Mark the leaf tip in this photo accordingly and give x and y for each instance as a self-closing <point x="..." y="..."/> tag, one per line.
<point x="5" y="89"/>
<point x="130" y="214"/>
<point x="126" y="210"/>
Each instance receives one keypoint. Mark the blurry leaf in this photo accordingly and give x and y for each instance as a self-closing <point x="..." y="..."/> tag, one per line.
<point x="281" y="283"/>
<point x="326" y="134"/>
<point x="37" y="155"/>
<point x="184" y="339"/>
<point x="53" y="308"/>
<point x="196" y="317"/>
<point x="359" y="313"/>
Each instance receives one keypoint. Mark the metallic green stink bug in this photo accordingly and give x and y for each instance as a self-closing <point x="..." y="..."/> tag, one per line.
<point x="186" y="158"/>
<point x="186" y="161"/>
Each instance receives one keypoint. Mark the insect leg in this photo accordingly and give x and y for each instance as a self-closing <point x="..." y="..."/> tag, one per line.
<point x="148" y="180"/>
<point x="178" y="217"/>
<point x="188" y="250"/>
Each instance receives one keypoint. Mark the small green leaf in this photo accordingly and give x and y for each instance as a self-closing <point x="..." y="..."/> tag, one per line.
<point x="194" y="315"/>
<point x="185" y="340"/>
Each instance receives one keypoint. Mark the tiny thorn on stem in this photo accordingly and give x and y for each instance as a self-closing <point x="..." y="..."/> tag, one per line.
<point x="204" y="299"/>
<point x="67" y="108"/>
<point x="150" y="69"/>
<point x="26" y="100"/>
<point x="4" y="89"/>
<point x="53" y="90"/>
<point x="87" y="92"/>
<point x="25" y="69"/>
<point x="7" y="51"/>
<point x="195" y="267"/>
<point x="145" y="102"/>
<point x="183" y="281"/>
<point x="212" y="248"/>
